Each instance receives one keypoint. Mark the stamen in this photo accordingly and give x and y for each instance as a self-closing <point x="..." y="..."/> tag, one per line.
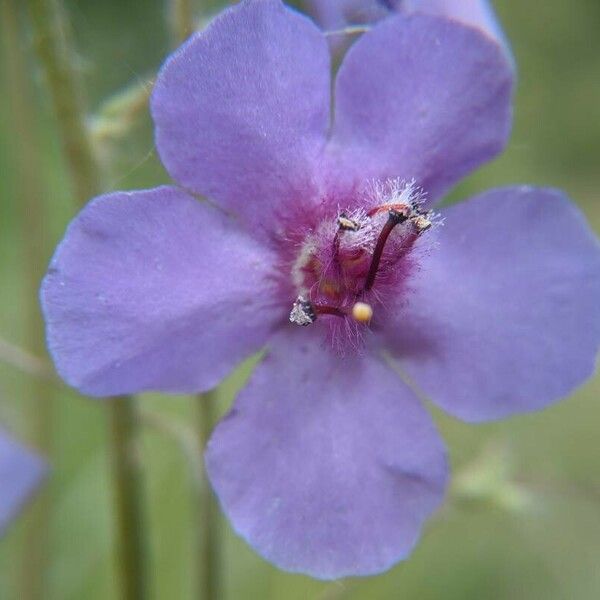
<point x="394" y="218"/>
<point x="347" y="224"/>
<point x="362" y="312"/>
<point x="304" y="312"/>
<point x="327" y="309"/>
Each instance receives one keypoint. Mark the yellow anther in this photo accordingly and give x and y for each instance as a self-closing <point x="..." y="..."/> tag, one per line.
<point x="362" y="312"/>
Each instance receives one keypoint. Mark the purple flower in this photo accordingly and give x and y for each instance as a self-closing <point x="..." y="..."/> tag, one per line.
<point x="328" y="464"/>
<point x="21" y="472"/>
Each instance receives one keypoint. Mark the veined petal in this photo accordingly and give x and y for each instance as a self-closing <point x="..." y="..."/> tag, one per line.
<point x="421" y="98"/>
<point x="154" y="290"/>
<point x="504" y="316"/>
<point x="327" y="466"/>
<point x="242" y="109"/>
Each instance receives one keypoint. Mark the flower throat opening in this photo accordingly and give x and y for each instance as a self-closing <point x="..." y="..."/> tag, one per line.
<point x="347" y="264"/>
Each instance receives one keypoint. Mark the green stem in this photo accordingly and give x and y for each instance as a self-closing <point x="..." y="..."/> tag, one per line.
<point x="56" y="56"/>
<point x="30" y="201"/>
<point x="209" y="540"/>
<point x="181" y="18"/>
<point x="52" y="45"/>
<point x="25" y="361"/>
<point x="128" y="498"/>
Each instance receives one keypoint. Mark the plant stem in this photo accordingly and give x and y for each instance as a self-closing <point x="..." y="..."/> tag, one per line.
<point x="51" y="31"/>
<point x="30" y="202"/>
<point x="118" y="113"/>
<point x="25" y="361"/>
<point x="181" y="20"/>
<point x="56" y="56"/>
<point x="209" y="542"/>
<point x="128" y="498"/>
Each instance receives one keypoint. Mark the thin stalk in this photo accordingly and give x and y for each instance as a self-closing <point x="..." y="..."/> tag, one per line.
<point x="120" y="112"/>
<point x="56" y="56"/>
<point x="127" y="489"/>
<point x="181" y="20"/>
<point x="25" y="361"/>
<point x="209" y="538"/>
<point x="30" y="201"/>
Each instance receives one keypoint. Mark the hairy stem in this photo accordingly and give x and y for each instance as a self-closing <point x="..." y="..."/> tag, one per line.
<point x="56" y="56"/>
<point x="209" y="540"/>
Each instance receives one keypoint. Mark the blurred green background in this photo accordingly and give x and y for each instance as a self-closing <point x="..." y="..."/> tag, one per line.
<point x="535" y="536"/>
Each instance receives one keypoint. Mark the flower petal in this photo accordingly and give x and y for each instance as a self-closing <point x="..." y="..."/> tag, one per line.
<point x="242" y="109"/>
<point x="342" y="13"/>
<point x="21" y="472"/>
<point x="504" y="316"/>
<point x="154" y="290"/>
<point x="420" y="98"/>
<point x="476" y="13"/>
<point x="326" y="466"/>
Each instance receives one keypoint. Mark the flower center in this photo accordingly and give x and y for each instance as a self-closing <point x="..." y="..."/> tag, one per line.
<point x="348" y="262"/>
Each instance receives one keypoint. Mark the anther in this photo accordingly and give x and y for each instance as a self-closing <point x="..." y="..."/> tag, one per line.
<point x="397" y="216"/>
<point x="362" y="312"/>
<point x="421" y="222"/>
<point x="347" y="224"/>
<point x="302" y="312"/>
